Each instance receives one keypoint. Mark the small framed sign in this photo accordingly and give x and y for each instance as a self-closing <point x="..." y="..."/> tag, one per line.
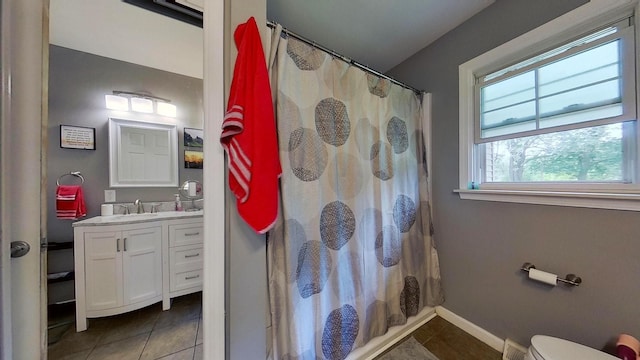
<point x="77" y="137"/>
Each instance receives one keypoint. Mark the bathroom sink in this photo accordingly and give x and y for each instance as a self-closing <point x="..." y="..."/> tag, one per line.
<point x="133" y="216"/>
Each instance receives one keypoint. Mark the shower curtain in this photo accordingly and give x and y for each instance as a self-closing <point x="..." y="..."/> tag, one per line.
<point x="352" y="253"/>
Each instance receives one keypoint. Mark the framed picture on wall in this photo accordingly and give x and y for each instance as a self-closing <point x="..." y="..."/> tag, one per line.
<point x="77" y="137"/>
<point x="193" y="159"/>
<point x="193" y="138"/>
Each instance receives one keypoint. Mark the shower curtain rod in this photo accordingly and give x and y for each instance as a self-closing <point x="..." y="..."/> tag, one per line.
<point x="272" y="25"/>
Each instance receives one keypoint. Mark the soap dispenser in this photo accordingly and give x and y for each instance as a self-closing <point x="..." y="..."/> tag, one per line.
<point x="178" y="202"/>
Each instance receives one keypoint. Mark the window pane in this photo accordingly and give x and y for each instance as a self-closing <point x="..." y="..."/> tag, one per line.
<point x="597" y="64"/>
<point x="585" y="40"/>
<point x="602" y="112"/>
<point x="582" y="100"/>
<point x="508" y="129"/>
<point x="510" y="115"/>
<point x="591" y="154"/>
<point x="577" y="90"/>
<point x="509" y="92"/>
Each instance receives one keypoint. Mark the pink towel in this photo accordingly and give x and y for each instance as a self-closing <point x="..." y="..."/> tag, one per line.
<point x="70" y="202"/>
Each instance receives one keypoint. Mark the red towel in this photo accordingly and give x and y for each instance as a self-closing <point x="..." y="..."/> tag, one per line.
<point x="249" y="133"/>
<point x="70" y="202"/>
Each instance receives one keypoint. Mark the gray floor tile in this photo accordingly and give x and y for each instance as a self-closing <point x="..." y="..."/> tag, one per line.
<point x="128" y="325"/>
<point x="199" y="354"/>
<point x="75" y="356"/>
<point x="448" y="342"/>
<point x="179" y="312"/>
<point x="128" y="349"/>
<point x="200" y="332"/>
<point x="186" y="354"/>
<point x="54" y="334"/>
<point x="168" y="340"/>
<point x="73" y="342"/>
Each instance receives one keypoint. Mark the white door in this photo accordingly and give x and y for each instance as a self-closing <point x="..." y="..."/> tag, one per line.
<point x="103" y="270"/>
<point x="142" y="264"/>
<point x="23" y="46"/>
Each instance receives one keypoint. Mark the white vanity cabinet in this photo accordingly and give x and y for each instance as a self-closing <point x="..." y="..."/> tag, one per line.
<point x="126" y="262"/>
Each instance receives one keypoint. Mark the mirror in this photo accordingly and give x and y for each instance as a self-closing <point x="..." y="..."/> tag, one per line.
<point x="191" y="190"/>
<point x="142" y="154"/>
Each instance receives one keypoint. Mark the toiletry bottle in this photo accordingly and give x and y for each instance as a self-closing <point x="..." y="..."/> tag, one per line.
<point x="178" y="202"/>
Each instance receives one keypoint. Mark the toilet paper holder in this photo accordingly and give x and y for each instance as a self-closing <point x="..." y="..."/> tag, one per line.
<point x="570" y="279"/>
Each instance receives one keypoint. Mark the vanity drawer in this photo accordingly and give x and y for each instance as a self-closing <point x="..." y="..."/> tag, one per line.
<point x="185" y="258"/>
<point x="186" y="279"/>
<point x="187" y="234"/>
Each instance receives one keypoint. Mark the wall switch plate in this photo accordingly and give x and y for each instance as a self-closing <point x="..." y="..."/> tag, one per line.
<point x="109" y="196"/>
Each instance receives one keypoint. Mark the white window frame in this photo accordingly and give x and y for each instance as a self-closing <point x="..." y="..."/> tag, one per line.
<point x="570" y="25"/>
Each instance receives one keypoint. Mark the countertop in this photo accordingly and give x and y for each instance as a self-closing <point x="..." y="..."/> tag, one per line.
<point x="137" y="218"/>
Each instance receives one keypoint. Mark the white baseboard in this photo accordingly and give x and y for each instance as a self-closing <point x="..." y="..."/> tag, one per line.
<point x="471" y="328"/>
<point x="379" y="344"/>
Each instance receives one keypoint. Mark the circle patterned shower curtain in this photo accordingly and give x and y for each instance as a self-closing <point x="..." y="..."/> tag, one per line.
<point x="352" y="253"/>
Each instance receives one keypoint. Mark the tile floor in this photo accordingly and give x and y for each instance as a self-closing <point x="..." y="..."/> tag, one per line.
<point x="448" y="342"/>
<point x="145" y="334"/>
<point x="150" y="334"/>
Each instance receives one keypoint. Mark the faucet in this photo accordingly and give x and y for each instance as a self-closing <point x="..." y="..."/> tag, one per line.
<point x="125" y="208"/>
<point x="139" y="206"/>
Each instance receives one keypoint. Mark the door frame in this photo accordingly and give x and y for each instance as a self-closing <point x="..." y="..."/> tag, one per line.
<point x="213" y="306"/>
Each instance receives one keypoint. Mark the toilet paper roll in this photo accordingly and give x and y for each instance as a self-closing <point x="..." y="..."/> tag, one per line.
<point x="543" y="276"/>
<point x="106" y="209"/>
<point x="628" y="347"/>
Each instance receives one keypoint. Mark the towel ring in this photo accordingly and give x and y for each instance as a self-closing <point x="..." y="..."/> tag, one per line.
<point x="73" y="173"/>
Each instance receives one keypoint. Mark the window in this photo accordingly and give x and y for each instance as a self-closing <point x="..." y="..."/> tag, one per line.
<point x="558" y="127"/>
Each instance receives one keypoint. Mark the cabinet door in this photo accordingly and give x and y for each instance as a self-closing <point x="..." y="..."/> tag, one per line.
<point x="103" y="270"/>
<point x="142" y="264"/>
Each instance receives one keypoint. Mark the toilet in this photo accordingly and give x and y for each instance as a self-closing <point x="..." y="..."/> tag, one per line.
<point x="550" y="348"/>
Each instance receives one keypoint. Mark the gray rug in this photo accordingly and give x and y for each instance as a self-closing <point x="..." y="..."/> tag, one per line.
<point x="410" y="349"/>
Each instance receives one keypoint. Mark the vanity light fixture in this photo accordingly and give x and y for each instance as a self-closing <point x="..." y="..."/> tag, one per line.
<point x="166" y="109"/>
<point x="115" y="102"/>
<point x="144" y="103"/>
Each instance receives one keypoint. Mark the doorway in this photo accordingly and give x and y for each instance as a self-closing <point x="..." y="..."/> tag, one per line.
<point x="21" y="57"/>
<point x="94" y="54"/>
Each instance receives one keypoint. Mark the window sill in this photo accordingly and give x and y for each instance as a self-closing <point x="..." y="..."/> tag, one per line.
<point x="614" y="201"/>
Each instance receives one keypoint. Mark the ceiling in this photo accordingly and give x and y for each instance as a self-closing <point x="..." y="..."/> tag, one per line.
<point x="377" y="33"/>
<point x="117" y="30"/>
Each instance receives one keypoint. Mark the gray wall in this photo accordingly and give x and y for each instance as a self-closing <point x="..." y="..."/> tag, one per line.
<point x="483" y="244"/>
<point x="78" y="82"/>
<point x="246" y="265"/>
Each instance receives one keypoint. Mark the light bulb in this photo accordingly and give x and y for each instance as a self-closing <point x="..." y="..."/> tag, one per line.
<point x="166" y="109"/>
<point x="115" y="102"/>
<point x="141" y="105"/>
